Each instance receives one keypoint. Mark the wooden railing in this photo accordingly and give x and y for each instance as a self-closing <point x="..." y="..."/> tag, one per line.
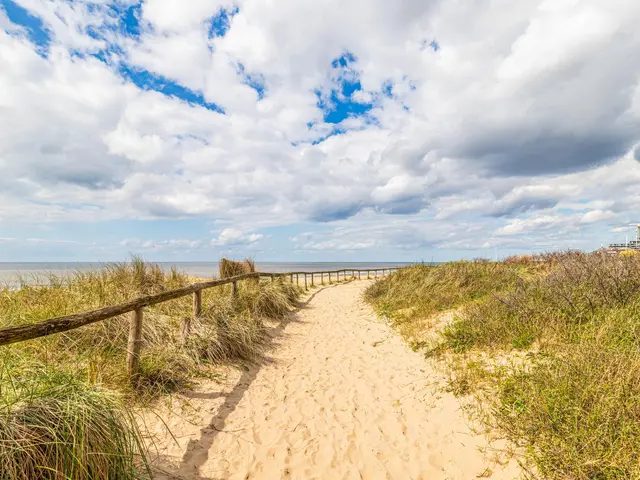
<point x="136" y="308"/>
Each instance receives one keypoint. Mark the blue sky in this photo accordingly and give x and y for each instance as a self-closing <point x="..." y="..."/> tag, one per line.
<point x="351" y="130"/>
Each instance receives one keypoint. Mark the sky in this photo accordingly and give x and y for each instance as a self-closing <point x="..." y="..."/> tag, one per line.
<point x="310" y="130"/>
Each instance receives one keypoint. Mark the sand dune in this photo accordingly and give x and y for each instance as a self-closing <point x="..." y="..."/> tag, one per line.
<point x="342" y="397"/>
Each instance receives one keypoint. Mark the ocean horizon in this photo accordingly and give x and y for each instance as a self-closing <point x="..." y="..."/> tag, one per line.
<point x="12" y="273"/>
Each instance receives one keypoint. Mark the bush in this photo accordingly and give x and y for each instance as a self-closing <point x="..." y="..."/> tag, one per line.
<point x="577" y="414"/>
<point x="560" y="306"/>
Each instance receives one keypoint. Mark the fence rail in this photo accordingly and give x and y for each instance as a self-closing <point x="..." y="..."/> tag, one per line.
<point x="52" y="326"/>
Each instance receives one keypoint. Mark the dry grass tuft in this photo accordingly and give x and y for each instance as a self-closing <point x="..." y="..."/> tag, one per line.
<point x="231" y="268"/>
<point x="56" y="428"/>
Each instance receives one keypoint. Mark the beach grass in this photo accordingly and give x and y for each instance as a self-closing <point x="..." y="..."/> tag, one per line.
<point x="54" y="426"/>
<point x="410" y="295"/>
<point x="64" y="395"/>
<point x="554" y="354"/>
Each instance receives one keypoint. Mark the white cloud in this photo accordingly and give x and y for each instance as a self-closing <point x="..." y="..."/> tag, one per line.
<point x="234" y="237"/>
<point x="176" y="15"/>
<point x="518" y="226"/>
<point x="519" y="125"/>
<point x="595" y="216"/>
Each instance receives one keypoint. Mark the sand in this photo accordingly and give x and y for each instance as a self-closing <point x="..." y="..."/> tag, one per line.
<point x="342" y="397"/>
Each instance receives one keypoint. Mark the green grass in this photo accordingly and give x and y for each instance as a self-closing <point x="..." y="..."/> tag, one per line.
<point x="581" y="293"/>
<point x="56" y="427"/>
<point x="577" y="412"/>
<point x="426" y="290"/>
<point x="573" y="402"/>
<point x="63" y="396"/>
<point x="412" y="294"/>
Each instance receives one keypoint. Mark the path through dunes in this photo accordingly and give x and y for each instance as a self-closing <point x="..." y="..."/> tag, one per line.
<point x="342" y="397"/>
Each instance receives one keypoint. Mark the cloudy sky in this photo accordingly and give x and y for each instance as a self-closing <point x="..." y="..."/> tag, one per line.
<point x="316" y="129"/>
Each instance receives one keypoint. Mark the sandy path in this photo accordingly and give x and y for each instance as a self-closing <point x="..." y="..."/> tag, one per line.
<point x="343" y="398"/>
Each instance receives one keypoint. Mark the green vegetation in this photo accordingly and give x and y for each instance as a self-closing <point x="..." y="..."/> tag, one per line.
<point x="568" y="327"/>
<point x="412" y="294"/>
<point x="62" y="413"/>
<point x="56" y="427"/>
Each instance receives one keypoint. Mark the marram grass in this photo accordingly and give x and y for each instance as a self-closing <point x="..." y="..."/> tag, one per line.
<point x="62" y="414"/>
<point x="54" y="427"/>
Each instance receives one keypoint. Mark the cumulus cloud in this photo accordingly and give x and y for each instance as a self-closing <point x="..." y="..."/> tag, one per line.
<point x="234" y="237"/>
<point x="357" y="114"/>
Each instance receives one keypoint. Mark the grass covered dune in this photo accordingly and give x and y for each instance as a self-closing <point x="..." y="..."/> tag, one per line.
<point x="569" y="323"/>
<point x="65" y="409"/>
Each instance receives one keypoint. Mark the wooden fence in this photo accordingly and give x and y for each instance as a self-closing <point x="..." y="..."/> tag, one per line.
<point x="136" y="308"/>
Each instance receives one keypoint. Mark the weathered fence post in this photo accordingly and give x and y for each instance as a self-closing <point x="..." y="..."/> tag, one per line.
<point x="292" y="278"/>
<point x="305" y="281"/>
<point x="359" y="277"/>
<point x="312" y="277"/>
<point x="134" y="344"/>
<point x="197" y="303"/>
<point x="297" y="279"/>
<point x="197" y="310"/>
<point x="235" y="289"/>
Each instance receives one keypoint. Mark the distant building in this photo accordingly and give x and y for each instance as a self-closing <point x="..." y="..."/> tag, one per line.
<point x="633" y="245"/>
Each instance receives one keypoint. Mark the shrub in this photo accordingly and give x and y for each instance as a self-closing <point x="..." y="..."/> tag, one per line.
<point x="560" y="306"/>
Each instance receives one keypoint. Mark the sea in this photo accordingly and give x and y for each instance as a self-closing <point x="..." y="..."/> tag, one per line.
<point x="13" y="273"/>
